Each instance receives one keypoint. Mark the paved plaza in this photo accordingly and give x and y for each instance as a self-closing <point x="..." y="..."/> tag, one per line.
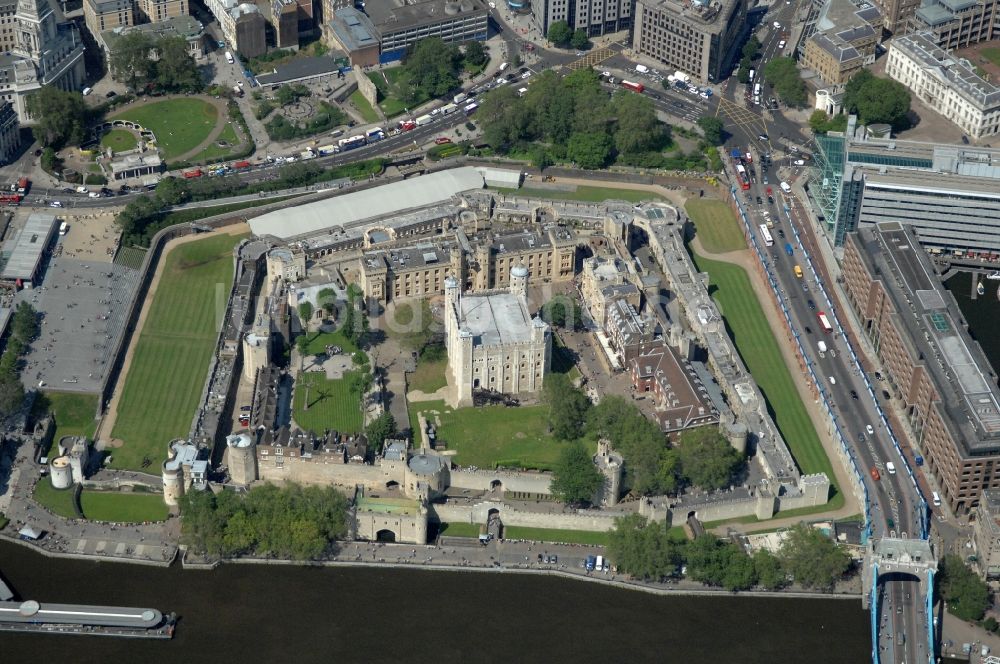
<point x="83" y="306"/>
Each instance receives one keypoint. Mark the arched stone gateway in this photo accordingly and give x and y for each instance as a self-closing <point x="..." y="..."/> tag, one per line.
<point x="496" y="485"/>
<point x="385" y="535"/>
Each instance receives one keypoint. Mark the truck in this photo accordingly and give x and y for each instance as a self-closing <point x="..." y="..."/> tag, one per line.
<point x="10" y="199"/>
<point x="307" y="154"/>
<point x="634" y="87"/>
<point x="590" y="563"/>
<point x="375" y="134"/>
<point x="460" y="97"/>
<point x="229" y="57"/>
<point x="195" y="173"/>
<point x="424" y="120"/>
<point x="407" y="125"/>
<point x="242" y="165"/>
<point x="681" y="76"/>
<point x="599" y="565"/>
<point x="325" y="150"/>
<point x="788" y="248"/>
<point x="23" y="185"/>
<point x="449" y="108"/>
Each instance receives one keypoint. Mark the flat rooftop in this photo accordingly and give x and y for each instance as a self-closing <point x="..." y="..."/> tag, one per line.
<point x="929" y="314"/>
<point x="27" y="250"/>
<point x="396" y="15"/>
<point x="496" y="319"/>
<point x="348" y="209"/>
<point x="76" y="614"/>
<point x="706" y="13"/>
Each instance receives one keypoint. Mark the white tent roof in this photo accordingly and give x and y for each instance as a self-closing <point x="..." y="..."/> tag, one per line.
<point x="346" y="210"/>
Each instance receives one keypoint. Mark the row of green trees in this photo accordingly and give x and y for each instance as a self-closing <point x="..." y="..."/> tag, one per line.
<point x="564" y="36"/>
<point x="174" y="70"/>
<point x="143" y="217"/>
<point x="702" y="457"/>
<point x="573" y="118"/>
<point x="23" y="330"/>
<point x="287" y="522"/>
<point x="967" y="595"/>
<point x="433" y="68"/>
<point x="648" y="551"/>
<point x="783" y="75"/>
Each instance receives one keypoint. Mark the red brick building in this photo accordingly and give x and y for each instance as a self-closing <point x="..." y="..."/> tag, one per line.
<point x="948" y="389"/>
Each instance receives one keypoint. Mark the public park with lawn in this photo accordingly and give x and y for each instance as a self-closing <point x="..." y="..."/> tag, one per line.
<point x="716" y="225"/>
<point x="494" y="436"/>
<point x="57" y="501"/>
<point x="388" y="82"/>
<point x="758" y="347"/>
<point x="119" y="140"/>
<point x="332" y="404"/>
<point x="180" y="124"/>
<point x="591" y="194"/>
<point x="118" y="506"/>
<point x="123" y="506"/>
<point x="173" y="351"/>
<point x="556" y="535"/>
<point x="73" y="412"/>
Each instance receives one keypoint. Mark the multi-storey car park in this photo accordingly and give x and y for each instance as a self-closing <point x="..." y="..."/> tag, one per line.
<point x="939" y="374"/>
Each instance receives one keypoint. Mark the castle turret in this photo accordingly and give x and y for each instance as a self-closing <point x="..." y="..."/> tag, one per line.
<point x="241" y="458"/>
<point x="519" y="280"/>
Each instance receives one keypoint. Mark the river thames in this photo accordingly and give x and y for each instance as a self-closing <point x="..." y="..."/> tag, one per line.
<point x="258" y="613"/>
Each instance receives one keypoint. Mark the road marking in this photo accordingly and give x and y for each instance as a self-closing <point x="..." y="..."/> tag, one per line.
<point x="591" y="59"/>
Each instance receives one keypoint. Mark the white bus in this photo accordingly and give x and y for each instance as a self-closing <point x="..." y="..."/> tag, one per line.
<point x="766" y="234"/>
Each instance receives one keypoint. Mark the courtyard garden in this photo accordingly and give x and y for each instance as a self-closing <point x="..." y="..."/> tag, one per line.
<point x="119" y="140"/>
<point x="322" y="403"/>
<point x="494" y="436"/>
<point x="73" y="412"/>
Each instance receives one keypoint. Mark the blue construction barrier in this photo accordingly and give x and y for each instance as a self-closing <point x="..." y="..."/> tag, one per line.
<point x="873" y="605"/>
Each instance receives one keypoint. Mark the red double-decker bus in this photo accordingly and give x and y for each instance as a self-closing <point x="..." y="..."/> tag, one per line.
<point x="824" y="322"/>
<point x="634" y="87"/>
<point x="741" y="173"/>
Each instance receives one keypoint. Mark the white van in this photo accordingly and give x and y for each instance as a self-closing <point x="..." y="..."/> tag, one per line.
<point x="504" y="65"/>
<point x="642" y="69"/>
<point x="600" y="564"/>
<point x="937" y="499"/>
<point x="756" y="89"/>
<point x="822" y="346"/>
<point x="87" y="91"/>
<point x="891" y="467"/>
<point x="785" y="187"/>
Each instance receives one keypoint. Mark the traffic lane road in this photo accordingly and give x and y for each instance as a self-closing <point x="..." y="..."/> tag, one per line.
<point x="883" y="492"/>
<point x="805" y="230"/>
<point x="854" y="414"/>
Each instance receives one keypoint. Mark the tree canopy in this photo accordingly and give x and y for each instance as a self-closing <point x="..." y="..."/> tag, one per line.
<point x="643" y="549"/>
<point x="876" y="99"/>
<point x="707" y="459"/>
<point x="24" y="328"/>
<point x="650" y="466"/>
<point x="432" y="68"/>
<point x="784" y="77"/>
<point x="713" y="128"/>
<point x="563" y="311"/>
<point x="821" y="123"/>
<point x="715" y="562"/>
<point x="174" y="69"/>
<point x="61" y="117"/>
<point x="580" y="40"/>
<point x="475" y="54"/>
<point x="382" y="427"/>
<point x="967" y="595"/>
<point x="575" y="479"/>
<point x="129" y="60"/>
<point x="560" y="34"/>
<point x="812" y="558"/>
<point x="287" y="522"/>
<point x="568" y="407"/>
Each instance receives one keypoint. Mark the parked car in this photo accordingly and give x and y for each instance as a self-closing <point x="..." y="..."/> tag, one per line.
<point x="441" y="140"/>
